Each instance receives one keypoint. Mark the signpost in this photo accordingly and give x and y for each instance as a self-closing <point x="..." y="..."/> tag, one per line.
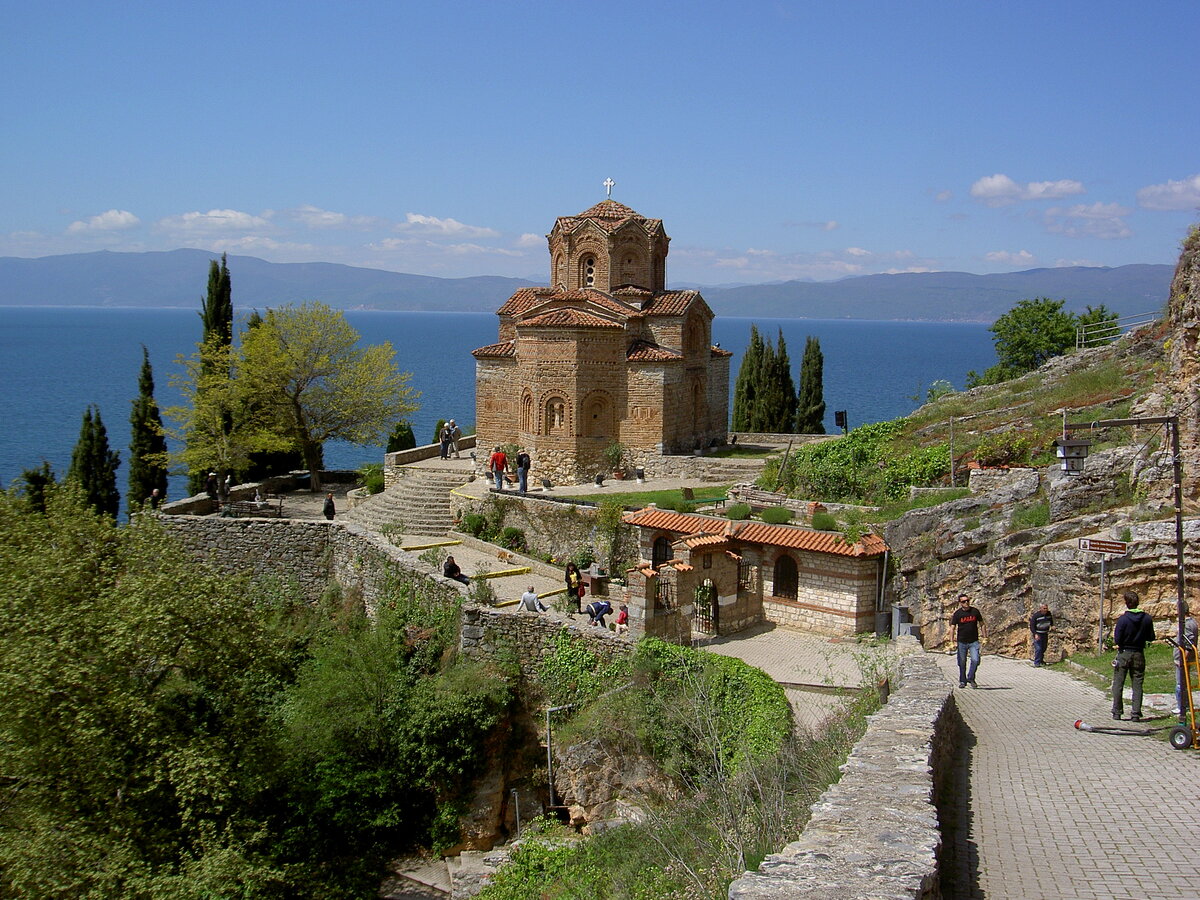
<point x="1105" y="549"/>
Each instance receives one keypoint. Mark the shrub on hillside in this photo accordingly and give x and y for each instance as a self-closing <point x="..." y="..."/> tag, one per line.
<point x="776" y="515"/>
<point x="512" y="538"/>
<point x="473" y="524"/>
<point x="1005" y="448"/>
<point x="823" y="521"/>
<point x="737" y="511"/>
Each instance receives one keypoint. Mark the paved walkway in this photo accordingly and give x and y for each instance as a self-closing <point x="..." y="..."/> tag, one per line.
<point x="1047" y="811"/>
<point x="814" y="671"/>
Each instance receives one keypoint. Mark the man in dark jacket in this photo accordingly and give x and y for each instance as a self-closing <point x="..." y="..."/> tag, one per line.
<point x="1040" y="624"/>
<point x="1134" y="631"/>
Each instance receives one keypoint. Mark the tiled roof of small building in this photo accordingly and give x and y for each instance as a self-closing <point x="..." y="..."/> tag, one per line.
<point x="670" y="303"/>
<point x="522" y="299"/>
<point x="568" y="318"/>
<point x="790" y="536"/>
<point x="704" y="540"/>
<point x="504" y="349"/>
<point x="643" y="351"/>
<point x="717" y="351"/>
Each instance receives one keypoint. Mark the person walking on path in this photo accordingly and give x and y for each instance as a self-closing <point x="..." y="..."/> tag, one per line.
<point x="328" y="508"/>
<point x="1189" y="648"/>
<point x="1134" y="630"/>
<point x="496" y="465"/>
<point x="1040" y="624"/>
<point x="969" y="622"/>
<point x="574" y="586"/>
<point x="530" y="601"/>
<point x="523" y="465"/>
<point x="455" y="437"/>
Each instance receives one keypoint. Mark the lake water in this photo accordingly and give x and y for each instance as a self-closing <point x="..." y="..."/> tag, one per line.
<point x="54" y="362"/>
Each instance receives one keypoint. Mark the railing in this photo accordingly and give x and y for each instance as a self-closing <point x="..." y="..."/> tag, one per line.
<point x="1098" y="333"/>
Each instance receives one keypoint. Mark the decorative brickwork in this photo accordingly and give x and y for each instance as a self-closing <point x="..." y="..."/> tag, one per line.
<point x="604" y="355"/>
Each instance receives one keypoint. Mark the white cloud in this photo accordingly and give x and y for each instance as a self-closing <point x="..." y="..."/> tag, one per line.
<point x="112" y="220"/>
<point x="943" y="196"/>
<point x="857" y="251"/>
<point x="1183" y="194"/>
<point x="911" y="270"/>
<point x="213" y="221"/>
<point x="1000" y="190"/>
<point x="1097" y="220"/>
<point x="315" y="217"/>
<point x="831" y="225"/>
<point x="529" y="239"/>
<point x="450" y="227"/>
<point x="1008" y="258"/>
<point x="1066" y="263"/>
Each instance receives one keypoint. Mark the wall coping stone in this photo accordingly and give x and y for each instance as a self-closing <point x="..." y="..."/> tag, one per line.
<point x="874" y="834"/>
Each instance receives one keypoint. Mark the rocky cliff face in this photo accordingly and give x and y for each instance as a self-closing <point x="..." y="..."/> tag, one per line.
<point x="1008" y="567"/>
<point x="602" y="788"/>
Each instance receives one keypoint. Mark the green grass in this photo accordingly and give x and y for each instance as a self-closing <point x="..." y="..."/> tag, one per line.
<point x="664" y="499"/>
<point x="736" y="452"/>
<point x="1160" y="668"/>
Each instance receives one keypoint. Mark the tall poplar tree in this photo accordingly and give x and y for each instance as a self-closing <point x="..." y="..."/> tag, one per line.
<point x="147" y="445"/>
<point x="746" y="388"/>
<point x="810" y="405"/>
<point x="94" y="466"/>
<point x="216" y="315"/>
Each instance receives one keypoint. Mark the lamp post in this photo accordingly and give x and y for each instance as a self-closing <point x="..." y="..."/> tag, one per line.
<point x="1074" y="452"/>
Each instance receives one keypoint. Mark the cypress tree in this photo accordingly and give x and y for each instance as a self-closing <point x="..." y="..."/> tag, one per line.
<point x="779" y="411"/>
<point x="94" y="466"/>
<point x="745" y="389"/>
<point x="216" y="315"/>
<point x="810" y="405"/>
<point x="34" y="486"/>
<point x="147" y="445"/>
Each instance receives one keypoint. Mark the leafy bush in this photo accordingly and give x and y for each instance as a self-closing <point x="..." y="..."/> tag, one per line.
<point x="737" y="511"/>
<point x="473" y="524"/>
<point x="372" y="477"/>
<point x="685" y="506"/>
<point x="776" y="515"/>
<point x="512" y="538"/>
<point x="823" y="521"/>
<point x="402" y="437"/>
<point x="1005" y="448"/>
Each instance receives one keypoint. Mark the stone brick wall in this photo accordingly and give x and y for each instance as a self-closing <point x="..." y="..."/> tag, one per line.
<point x="490" y="633"/>
<point x="835" y="595"/>
<point x="875" y="833"/>
<point x="311" y="554"/>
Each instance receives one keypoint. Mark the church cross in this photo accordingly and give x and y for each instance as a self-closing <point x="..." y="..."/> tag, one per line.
<point x="609" y="184"/>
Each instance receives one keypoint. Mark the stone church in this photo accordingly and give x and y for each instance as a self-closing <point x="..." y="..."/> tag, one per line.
<point x="604" y="355"/>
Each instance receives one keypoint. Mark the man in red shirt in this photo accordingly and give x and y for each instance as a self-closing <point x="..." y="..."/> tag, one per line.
<point x="969" y="623"/>
<point x="496" y="466"/>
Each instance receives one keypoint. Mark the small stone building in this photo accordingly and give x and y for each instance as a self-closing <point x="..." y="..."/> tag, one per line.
<point x="717" y="576"/>
<point x="605" y="354"/>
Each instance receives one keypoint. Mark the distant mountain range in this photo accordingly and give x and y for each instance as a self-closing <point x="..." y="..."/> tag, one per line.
<point x="179" y="277"/>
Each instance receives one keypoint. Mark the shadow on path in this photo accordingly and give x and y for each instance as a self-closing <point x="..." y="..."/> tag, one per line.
<point x="960" y="854"/>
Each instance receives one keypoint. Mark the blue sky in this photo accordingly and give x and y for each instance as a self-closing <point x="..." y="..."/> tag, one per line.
<point x="776" y="140"/>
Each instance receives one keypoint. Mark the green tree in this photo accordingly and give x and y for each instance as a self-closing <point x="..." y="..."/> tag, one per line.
<point x="1100" y="323"/>
<point x="147" y="443"/>
<point x="217" y="306"/>
<point x="810" y="403"/>
<point x="776" y="402"/>
<point x="220" y="427"/>
<point x="34" y="486"/>
<point x="1025" y="337"/>
<point x="402" y="437"/>
<point x="94" y="466"/>
<point x="303" y="365"/>
<point x="745" y="391"/>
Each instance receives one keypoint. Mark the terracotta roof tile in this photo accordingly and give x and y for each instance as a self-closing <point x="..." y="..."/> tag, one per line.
<point x="704" y="540"/>
<point x="609" y="215"/>
<point x="757" y="533"/>
<point x="717" y="351"/>
<point x="496" y="351"/>
<point x="643" y="351"/>
<point x="681" y="567"/>
<point x="522" y="299"/>
<point x="670" y="303"/>
<point x="807" y="539"/>
<point x="568" y="318"/>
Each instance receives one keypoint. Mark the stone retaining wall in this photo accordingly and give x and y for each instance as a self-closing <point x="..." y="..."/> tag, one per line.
<point x="875" y="834"/>
<point x="311" y="554"/>
<point x="531" y="637"/>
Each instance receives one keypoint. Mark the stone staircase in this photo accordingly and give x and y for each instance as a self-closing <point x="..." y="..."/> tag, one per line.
<point x="418" y="503"/>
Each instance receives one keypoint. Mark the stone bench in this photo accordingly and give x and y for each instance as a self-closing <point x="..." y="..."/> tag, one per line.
<point x="271" y="507"/>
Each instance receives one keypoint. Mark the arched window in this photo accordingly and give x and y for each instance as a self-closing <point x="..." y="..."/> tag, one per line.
<point x="597" y="416"/>
<point x="588" y="271"/>
<point x="786" y="579"/>
<point x="662" y="552"/>
<point x="527" y="413"/>
<point x="555" y="419"/>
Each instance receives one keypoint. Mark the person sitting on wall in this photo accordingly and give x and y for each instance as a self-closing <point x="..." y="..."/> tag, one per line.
<point x="450" y="569"/>
<point x="597" y="610"/>
<point x="530" y="601"/>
